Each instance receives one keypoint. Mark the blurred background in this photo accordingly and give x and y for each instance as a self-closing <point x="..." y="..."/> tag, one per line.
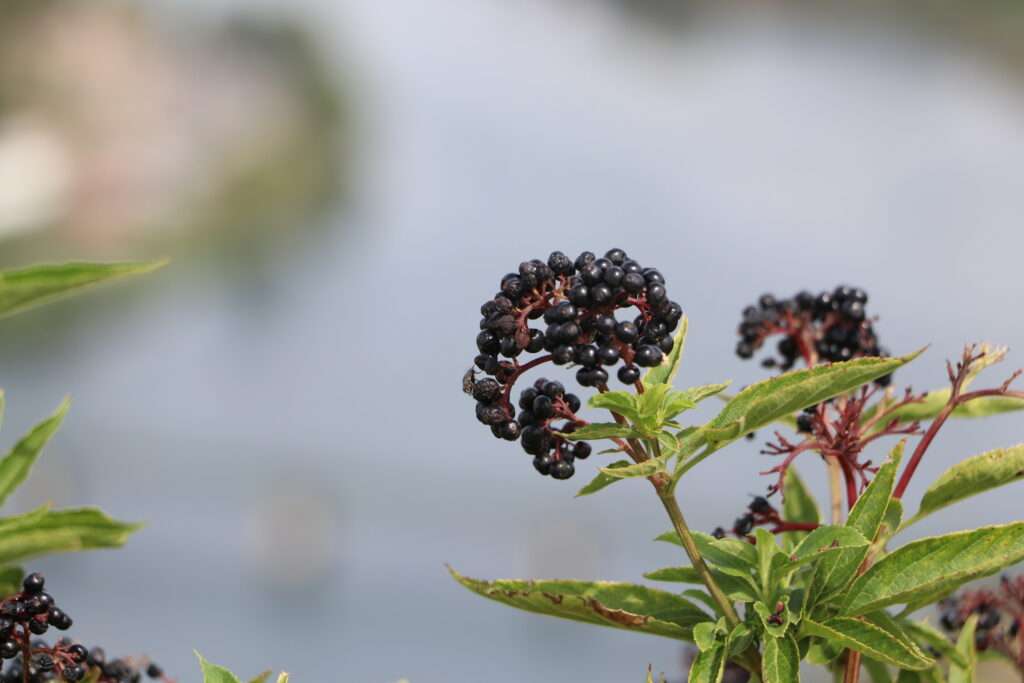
<point x="341" y="183"/>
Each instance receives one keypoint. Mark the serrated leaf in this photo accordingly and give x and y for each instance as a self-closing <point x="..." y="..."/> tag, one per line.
<point x="603" y="480"/>
<point x="867" y="638"/>
<point x="709" y="666"/>
<point x="15" y="466"/>
<point x="622" y="402"/>
<point x="10" y="580"/>
<point x="935" y="564"/>
<point x="601" y="430"/>
<point x="780" y="660"/>
<point x="638" y="469"/>
<point x="675" y="403"/>
<point x="729" y="555"/>
<point x="825" y="540"/>
<point x="973" y="476"/>
<point x="669" y="368"/>
<point x="215" y="674"/>
<point x="762" y="403"/>
<point x="964" y="673"/>
<point x="735" y="587"/>
<point x="866" y="517"/>
<point x="605" y="603"/>
<point x="28" y="287"/>
<point x="63" y="531"/>
<point x="798" y="505"/>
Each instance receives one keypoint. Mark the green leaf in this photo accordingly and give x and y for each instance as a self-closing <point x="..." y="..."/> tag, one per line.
<point x="867" y="516"/>
<point x="973" y="476"/>
<point x="674" y="403"/>
<point x="622" y="402"/>
<point x="769" y="617"/>
<point x="736" y="588"/>
<point x="931" y="565"/>
<point x="262" y="678"/>
<point x="925" y="633"/>
<point x="798" y="505"/>
<point x="282" y="677"/>
<point x="726" y="553"/>
<point x="825" y="540"/>
<point x="959" y="673"/>
<point x="877" y="672"/>
<point x="709" y="666"/>
<point x="934" y="401"/>
<point x="10" y="580"/>
<point x="603" y="480"/>
<point x="706" y="635"/>
<point x="780" y="661"/>
<point x="605" y="603"/>
<point x="601" y="430"/>
<point x="868" y="638"/>
<point x="35" y="285"/>
<point x="215" y="674"/>
<point x="767" y="551"/>
<point x="61" y="531"/>
<point x="669" y="368"/>
<point x="762" y="403"/>
<point x="639" y="469"/>
<point x="15" y="466"/>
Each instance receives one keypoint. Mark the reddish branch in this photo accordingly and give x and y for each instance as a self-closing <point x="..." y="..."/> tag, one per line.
<point x="958" y="379"/>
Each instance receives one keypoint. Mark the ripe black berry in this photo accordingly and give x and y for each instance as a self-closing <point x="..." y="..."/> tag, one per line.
<point x="154" y="671"/>
<point x="33" y="583"/>
<point x="9" y="649"/>
<point x="718" y="533"/>
<point x="804" y="423"/>
<point x="761" y="506"/>
<point x="744" y="525"/>
<point x="73" y="673"/>
<point x="562" y="470"/>
<point x="577" y="302"/>
<point x="629" y="374"/>
<point x="830" y="327"/>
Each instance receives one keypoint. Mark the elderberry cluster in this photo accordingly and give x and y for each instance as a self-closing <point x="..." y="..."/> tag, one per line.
<point x="760" y="511"/>
<point x="32" y="612"/>
<point x="574" y="303"/>
<point x="540" y="405"/>
<point x="999" y="615"/>
<point x="832" y="326"/>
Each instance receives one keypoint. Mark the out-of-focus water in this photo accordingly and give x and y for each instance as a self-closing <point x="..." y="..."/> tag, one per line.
<point x="297" y="440"/>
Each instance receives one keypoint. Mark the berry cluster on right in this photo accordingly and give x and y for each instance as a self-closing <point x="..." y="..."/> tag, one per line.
<point x="28" y="659"/>
<point x="1000" y="614"/>
<point x="832" y="326"/>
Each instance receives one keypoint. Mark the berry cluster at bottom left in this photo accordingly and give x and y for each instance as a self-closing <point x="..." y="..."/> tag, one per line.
<point x="32" y="612"/>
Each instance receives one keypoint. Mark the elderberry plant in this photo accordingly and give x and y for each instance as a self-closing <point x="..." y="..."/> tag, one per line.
<point x="27" y="610"/>
<point x="785" y="583"/>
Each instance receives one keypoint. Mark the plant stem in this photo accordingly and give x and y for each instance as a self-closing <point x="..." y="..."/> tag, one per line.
<point x="852" y="674"/>
<point x="679" y="524"/>
<point x="835" y="485"/>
